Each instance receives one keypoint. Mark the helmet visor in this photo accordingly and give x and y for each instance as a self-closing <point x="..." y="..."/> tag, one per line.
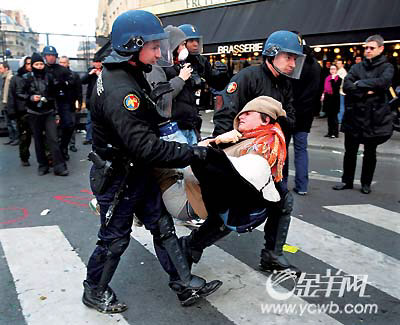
<point x="166" y="55"/>
<point x="289" y="64"/>
<point x="195" y="45"/>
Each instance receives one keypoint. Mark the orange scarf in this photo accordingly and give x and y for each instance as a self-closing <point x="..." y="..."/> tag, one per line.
<point x="270" y="143"/>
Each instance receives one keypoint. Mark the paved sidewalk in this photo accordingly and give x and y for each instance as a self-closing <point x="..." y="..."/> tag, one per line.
<point x="317" y="140"/>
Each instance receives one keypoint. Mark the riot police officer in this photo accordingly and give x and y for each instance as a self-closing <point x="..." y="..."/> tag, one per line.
<point x="203" y="72"/>
<point x="124" y="116"/>
<point x="217" y="77"/>
<point x="283" y="57"/>
<point x="63" y="81"/>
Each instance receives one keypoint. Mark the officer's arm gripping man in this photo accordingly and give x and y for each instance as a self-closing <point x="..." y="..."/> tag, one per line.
<point x="144" y="145"/>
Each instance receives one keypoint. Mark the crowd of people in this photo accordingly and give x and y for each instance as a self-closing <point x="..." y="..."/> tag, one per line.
<point x="41" y="101"/>
<point x="150" y="163"/>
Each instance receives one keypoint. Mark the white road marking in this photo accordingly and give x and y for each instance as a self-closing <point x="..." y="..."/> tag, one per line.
<point x="243" y="293"/>
<point x="48" y="276"/>
<point x="372" y="214"/>
<point x="355" y="259"/>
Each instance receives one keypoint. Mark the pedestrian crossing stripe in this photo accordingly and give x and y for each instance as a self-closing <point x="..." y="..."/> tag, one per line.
<point x="359" y="259"/>
<point x="243" y="292"/>
<point x="48" y="277"/>
<point x="58" y="272"/>
<point x="377" y="216"/>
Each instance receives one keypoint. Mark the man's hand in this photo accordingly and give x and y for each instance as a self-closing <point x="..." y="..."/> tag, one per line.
<point x="96" y="71"/>
<point x="228" y="137"/>
<point x="370" y="92"/>
<point x="185" y="72"/>
<point x="205" y="142"/>
<point x="35" y="98"/>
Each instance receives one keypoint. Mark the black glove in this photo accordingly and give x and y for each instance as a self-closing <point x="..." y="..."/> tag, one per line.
<point x="200" y="153"/>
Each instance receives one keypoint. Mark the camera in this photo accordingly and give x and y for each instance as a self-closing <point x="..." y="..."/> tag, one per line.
<point x="41" y="101"/>
<point x="196" y="80"/>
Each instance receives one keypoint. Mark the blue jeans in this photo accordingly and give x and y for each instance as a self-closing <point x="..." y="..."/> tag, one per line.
<point x="190" y="136"/>
<point x="301" y="160"/>
<point x="13" y="133"/>
<point x="177" y="136"/>
<point x="88" y="127"/>
<point x="341" y="112"/>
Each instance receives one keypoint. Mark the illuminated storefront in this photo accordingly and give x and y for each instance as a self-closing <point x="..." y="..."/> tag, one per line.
<point x="235" y="33"/>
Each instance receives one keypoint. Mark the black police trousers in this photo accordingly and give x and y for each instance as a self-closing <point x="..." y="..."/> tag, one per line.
<point x="67" y="123"/>
<point x="25" y="136"/>
<point x="142" y="197"/>
<point x="46" y="123"/>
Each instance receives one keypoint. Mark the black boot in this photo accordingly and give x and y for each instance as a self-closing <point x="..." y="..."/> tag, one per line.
<point x="188" y="287"/>
<point x="104" y="301"/>
<point x="272" y="257"/>
<point x="210" y="231"/>
<point x="188" y="295"/>
<point x="271" y="262"/>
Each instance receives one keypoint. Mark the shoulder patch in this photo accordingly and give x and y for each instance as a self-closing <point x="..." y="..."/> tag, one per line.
<point x="131" y="102"/>
<point x="231" y="87"/>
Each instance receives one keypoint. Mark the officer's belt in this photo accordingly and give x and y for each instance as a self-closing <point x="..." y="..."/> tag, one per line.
<point x="168" y="129"/>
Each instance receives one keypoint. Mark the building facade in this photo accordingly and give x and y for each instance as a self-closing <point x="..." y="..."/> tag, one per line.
<point x="16" y="35"/>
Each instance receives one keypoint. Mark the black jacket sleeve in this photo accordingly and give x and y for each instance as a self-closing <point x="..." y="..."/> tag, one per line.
<point x="140" y="139"/>
<point x="382" y="82"/>
<point x="11" y="100"/>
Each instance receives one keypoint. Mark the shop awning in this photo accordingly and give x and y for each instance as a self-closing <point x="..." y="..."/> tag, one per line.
<point x="322" y="22"/>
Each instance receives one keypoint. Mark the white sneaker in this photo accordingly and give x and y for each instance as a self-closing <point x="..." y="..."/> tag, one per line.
<point x="94" y="206"/>
<point x="190" y="223"/>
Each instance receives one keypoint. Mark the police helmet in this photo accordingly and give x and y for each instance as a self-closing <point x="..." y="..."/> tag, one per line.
<point x="132" y="29"/>
<point x="49" y="50"/>
<point x="289" y="42"/>
<point x="190" y="31"/>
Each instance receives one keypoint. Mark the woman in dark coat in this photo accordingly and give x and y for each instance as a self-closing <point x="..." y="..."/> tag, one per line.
<point x="331" y="99"/>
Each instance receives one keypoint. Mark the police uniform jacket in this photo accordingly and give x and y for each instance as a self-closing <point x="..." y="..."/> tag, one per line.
<point x="214" y="78"/>
<point x="90" y="81"/>
<point x="306" y="94"/>
<point x="63" y="82"/>
<point x="123" y="118"/>
<point x="368" y="115"/>
<point x="76" y="88"/>
<point x="249" y="83"/>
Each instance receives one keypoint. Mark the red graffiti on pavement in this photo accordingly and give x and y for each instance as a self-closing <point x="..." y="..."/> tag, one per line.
<point x="74" y="200"/>
<point x="17" y="218"/>
<point x="87" y="191"/>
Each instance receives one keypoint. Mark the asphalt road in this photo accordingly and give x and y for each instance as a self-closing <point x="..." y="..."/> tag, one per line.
<point x="339" y="235"/>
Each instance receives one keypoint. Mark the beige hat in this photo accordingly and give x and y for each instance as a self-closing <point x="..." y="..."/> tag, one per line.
<point x="262" y="104"/>
<point x="256" y="170"/>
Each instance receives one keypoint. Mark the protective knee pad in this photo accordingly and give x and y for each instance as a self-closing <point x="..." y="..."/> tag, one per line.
<point x="166" y="227"/>
<point x="118" y="246"/>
